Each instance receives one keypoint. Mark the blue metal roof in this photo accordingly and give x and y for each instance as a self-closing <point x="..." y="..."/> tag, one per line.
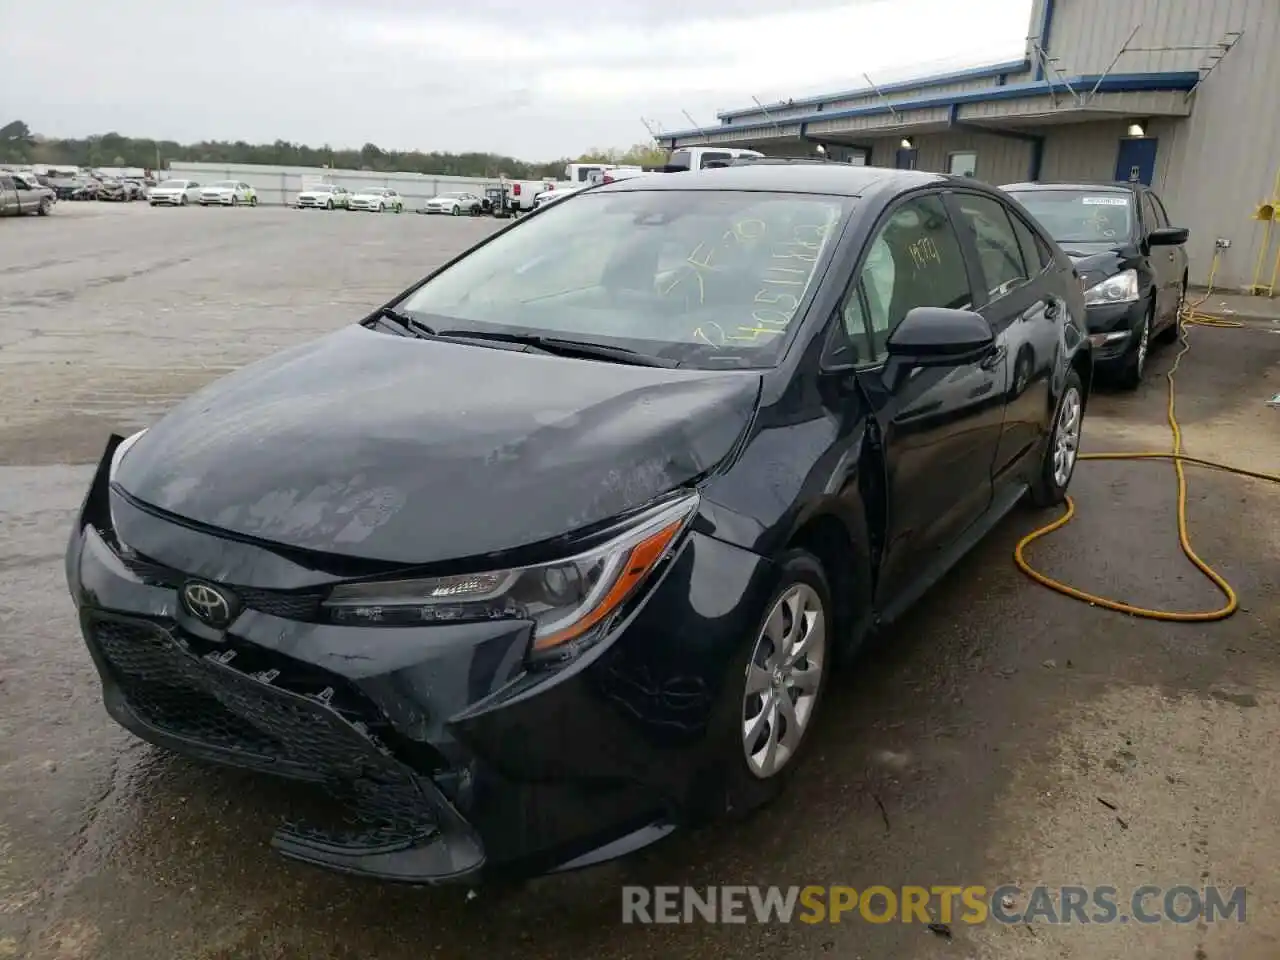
<point x="1114" y="83"/>
<point x="920" y="83"/>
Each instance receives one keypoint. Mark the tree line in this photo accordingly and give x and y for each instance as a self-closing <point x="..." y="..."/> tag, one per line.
<point x="19" y="145"/>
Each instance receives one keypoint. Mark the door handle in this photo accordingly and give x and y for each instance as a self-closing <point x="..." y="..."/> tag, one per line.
<point x="993" y="357"/>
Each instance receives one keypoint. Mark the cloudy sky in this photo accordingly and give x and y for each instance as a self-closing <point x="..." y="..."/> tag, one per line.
<point x="531" y="78"/>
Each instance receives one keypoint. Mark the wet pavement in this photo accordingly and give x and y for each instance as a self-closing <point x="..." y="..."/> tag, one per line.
<point x="975" y="745"/>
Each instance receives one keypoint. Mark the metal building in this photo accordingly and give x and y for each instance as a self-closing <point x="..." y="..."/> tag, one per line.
<point x="1180" y="94"/>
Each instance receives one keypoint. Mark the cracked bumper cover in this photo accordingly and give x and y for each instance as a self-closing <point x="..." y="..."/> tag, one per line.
<point x="452" y="755"/>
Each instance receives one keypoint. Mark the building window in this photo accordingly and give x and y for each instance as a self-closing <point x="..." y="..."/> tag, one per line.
<point x="962" y="164"/>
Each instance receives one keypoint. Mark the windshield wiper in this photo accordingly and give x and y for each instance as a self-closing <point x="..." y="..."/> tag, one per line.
<point x="566" y="347"/>
<point x="405" y="320"/>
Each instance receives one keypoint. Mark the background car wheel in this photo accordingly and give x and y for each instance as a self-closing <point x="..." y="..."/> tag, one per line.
<point x="1170" y="333"/>
<point x="772" y="693"/>
<point x="235" y="201"/>
<point x="182" y="202"/>
<point x="329" y="205"/>
<point x="253" y="201"/>
<point x="1063" y="447"/>
<point x="379" y="208"/>
<point x="457" y="210"/>
<point x="1136" y="366"/>
<point x="43" y="209"/>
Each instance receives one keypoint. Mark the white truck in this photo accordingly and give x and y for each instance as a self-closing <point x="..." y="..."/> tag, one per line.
<point x="700" y="158"/>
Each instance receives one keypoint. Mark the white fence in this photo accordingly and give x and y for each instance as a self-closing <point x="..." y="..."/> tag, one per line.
<point x="281" y="185"/>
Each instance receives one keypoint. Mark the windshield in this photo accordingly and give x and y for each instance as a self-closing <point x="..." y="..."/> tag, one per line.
<point x="707" y="279"/>
<point x="226" y="185"/>
<point x="449" y="196"/>
<point x="319" y="188"/>
<point x="174" y="184"/>
<point x="1079" y="216"/>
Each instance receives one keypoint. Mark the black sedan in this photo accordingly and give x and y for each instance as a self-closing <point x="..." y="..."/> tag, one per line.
<point x="1132" y="263"/>
<point x="673" y="447"/>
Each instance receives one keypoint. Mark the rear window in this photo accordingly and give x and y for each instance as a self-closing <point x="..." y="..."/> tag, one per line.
<point x="680" y="158"/>
<point x="1081" y="216"/>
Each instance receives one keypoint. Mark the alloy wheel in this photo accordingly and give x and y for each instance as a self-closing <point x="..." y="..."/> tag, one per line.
<point x="1066" y="437"/>
<point x="1144" y="344"/>
<point x="784" y="676"/>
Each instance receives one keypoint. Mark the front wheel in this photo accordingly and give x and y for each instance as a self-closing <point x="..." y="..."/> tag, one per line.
<point x="182" y="202"/>
<point x="43" y="209"/>
<point x="329" y="205"/>
<point x="253" y="201"/>
<point x="379" y="208"/>
<point x="773" y="691"/>
<point x="457" y="210"/>
<point x="1062" y="450"/>
<point x="1135" y="367"/>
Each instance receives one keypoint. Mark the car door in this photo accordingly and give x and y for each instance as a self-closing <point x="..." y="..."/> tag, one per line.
<point x="1018" y="301"/>
<point x="1167" y="263"/>
<point x="939" y="426"/>
<point x="8" y="197"/>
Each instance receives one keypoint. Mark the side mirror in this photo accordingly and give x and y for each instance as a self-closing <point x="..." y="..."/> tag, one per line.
<point x="929" y="336"/>
<point x="1168" y="237"/>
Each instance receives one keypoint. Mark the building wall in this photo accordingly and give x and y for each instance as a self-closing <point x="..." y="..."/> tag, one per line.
<point x="1000" y="159"/>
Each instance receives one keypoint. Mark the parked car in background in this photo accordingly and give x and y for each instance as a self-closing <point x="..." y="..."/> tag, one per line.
<point x="324" y="196"/>
<point x="174" y="193"/>
<point x="498" y="202"/>
<point x="578" y="580"/>
<point x="228" y="193"/>
<point x="22" y="193"/>
<point x="559" y="193"/>
<point x="119" y="190"/>
<point x="455" y="204"/>
<point x="86" y="188"/>
<point x="1131" y="260"/>
<point x="703" y="158"/>
<point x="376" y="199"/>
<point x="64" y="187"/>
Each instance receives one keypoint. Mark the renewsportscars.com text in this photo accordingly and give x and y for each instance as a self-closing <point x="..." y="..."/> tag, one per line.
<point x="933" y="904"/>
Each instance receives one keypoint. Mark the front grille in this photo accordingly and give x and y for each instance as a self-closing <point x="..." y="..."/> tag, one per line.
<point x="287" y="604"/>
<point x="178" y="690"/>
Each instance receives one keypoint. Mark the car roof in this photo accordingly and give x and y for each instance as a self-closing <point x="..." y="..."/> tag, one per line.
<point x="840" y="179"/>
<point x="1103" y="186"/>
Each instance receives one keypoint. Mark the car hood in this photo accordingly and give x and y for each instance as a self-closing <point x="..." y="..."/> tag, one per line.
<point x="315" y="194"/>
<point x="411" y="451"/>
<point x="1097" y="261"/>
<point x="218" y="190"/>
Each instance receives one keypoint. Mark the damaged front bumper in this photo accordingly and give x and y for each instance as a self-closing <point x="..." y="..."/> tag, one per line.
<point x="451" y="758"/>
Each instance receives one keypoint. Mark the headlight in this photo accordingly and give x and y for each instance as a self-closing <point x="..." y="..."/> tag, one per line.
<point x="1122" y="288"/>
<point x="570" y="601"/>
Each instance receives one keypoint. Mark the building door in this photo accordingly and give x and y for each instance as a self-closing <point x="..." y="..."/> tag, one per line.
<point x="1136" y="160"/>
<point x="905" y="160"/>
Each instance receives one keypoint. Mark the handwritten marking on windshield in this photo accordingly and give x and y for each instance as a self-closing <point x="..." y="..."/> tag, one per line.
<point x="924" y="252"/>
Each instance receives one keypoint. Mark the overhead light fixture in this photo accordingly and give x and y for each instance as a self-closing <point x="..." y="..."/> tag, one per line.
<point x="1136" y="129"/>
<point x="821" y="149"/>
<point x="907" y="143"/>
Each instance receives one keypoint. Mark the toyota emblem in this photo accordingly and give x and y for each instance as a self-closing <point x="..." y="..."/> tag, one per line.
<point x="208" y="604"/>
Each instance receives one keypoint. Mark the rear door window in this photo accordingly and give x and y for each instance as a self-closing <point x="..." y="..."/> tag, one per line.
<point x="999" y="250"/>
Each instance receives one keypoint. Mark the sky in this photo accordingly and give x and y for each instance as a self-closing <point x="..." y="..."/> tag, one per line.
<point x="533" y="79"/>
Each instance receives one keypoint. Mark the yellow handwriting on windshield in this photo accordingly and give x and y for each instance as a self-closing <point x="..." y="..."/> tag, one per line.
<point x="700" y="260"/>
<point x="925" y="252"/>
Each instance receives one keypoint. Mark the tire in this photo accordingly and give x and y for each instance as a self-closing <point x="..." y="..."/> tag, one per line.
<point x="203" y="204"/>
<point x="457" y="210"/>
<point x="253" y="201"/>
<point x="378" y="209"/>
<point x="329" y="205"/>
<point x="1050" y="486"/>
<point x="739" y="780"/>
<point x="154" y="204"/>
<point x="183" y="201"/>
<point x="235" y="201"/>
<point x="43" y="209"/>
<point x="1135" y="367"/>
<point x="1170" y="333"/>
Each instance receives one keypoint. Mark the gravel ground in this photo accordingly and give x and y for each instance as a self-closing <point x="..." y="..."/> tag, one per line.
<point x="972" y="748"/>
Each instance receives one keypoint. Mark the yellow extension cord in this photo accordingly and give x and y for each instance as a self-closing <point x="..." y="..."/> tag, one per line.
<point x="1191" y="316"/>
